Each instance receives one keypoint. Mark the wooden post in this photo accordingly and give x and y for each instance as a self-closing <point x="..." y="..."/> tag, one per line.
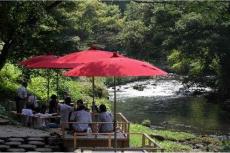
<point x="63" y="129"/>
<point x="109" y="141"/>
<point x="143" y="140"/>
<point x="75" y="140"/>
<point x="149" y="142"/>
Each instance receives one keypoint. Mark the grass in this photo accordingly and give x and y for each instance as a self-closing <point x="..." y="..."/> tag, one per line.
<point x="174" y="136"/>
<point x="168" y="145"/>
<point x="177" y="141"/>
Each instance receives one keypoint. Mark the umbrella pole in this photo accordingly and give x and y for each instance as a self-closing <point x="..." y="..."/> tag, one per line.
<point x="93" y="90"/>
<point x="57" y="82"/>
<point x="115" y="116"/>
<point x="48" y="85"/>
<point x="93" y="103"/>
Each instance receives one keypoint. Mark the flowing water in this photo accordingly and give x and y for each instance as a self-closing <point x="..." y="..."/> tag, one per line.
<point x="167" y="106"/>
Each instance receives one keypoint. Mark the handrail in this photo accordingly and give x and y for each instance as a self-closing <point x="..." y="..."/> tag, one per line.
<point x="123" y="117"/>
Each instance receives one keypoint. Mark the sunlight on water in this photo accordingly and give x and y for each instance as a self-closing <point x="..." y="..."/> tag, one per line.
<point x="151" y="88"/>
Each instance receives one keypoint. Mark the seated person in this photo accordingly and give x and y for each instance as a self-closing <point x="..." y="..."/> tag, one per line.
<point x="105" y="116"/>
<point x="79" y="103"/>
<point x="65" y="110"/>
<point x="32" y="100"/>
<point x="42" y="118"/>
<point x="28" y="113"/>
<point x="81" y="115"/>
<point x="53" y="104"/>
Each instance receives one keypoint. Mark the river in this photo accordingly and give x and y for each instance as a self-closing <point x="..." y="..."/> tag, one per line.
<point x="163" y="103"/>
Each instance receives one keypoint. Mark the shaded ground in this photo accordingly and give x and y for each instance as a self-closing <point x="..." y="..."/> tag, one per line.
<point x="19" y="131"/>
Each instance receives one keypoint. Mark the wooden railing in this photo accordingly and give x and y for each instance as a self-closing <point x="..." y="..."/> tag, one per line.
<point x="148" y="144"/>
<point x="122" y="123"/>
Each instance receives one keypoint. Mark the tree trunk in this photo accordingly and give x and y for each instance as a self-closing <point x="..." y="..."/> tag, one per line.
<point x="5" y="52"/>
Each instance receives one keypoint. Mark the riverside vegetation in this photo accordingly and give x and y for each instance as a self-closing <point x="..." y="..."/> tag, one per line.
<point x="10" y="77"/>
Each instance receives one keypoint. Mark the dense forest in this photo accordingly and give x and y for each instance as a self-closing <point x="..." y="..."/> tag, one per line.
<point x="188" y="38"/>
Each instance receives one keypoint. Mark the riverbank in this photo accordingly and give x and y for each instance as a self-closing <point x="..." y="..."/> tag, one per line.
<point x="180" y="141"/>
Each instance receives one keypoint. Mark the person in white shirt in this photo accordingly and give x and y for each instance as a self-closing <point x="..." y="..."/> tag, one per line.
<point x="65" y="110"/>
<point x="105" y="116"/>
<point x="21" y="97"/>
<point x="83" y="117"/>
<point x="27" y="113"/>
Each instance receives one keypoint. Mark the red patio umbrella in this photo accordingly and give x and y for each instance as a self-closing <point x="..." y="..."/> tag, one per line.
<point x="36" y="59"/>
<point x="74" y="59"/>
<point x="28" y="63"/>
<point x="116" y="66"/>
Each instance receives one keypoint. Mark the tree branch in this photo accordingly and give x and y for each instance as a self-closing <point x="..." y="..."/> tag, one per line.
<point x="54" y="4"/>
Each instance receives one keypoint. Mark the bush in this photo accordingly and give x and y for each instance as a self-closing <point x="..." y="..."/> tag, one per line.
<point x="225" y="146"/>
<point x="9" y="78"/>
<point x="146" y="123"/>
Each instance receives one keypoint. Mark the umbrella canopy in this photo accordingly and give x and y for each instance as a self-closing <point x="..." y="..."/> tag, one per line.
<point x="74" y="59"/>
<point x="37" y="59"/>
<point x="117" y="66"/>
<point x="83" y="57"/>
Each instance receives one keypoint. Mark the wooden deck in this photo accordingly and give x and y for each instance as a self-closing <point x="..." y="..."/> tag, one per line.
<point x="104" y="142"/>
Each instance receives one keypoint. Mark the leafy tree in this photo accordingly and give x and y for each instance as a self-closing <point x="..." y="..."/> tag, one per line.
<point x="34" y="28"/>
<point x="19" y="26"/>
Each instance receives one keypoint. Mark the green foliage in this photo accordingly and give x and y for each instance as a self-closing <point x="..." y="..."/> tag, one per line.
<point x="9" y="78"/>
<point x="178" y="62"/>
<point x="170" y="146"/>
<point x="167" y="145"/>
<point x="38" y="86"/>
<point x="174" y="136"/>
<point x="225" y="146"/>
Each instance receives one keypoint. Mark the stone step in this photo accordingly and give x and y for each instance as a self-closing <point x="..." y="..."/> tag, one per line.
<point x="16" y="150"/>
<point x="13" y="143"/>
<point x="18" y="136"/>
<point x="16" y="139"/>
<point x="54" y="141"/>
<point x="4" y="148"/>
<point x="54" y="148"/>
<point x="2" y="141"/>
<point x="4" y="121"/>
<point x="43" y="149"/>
<point x="28" y="147"/>
<point x="37" y="143"/>
<point x="35" y="139"/>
